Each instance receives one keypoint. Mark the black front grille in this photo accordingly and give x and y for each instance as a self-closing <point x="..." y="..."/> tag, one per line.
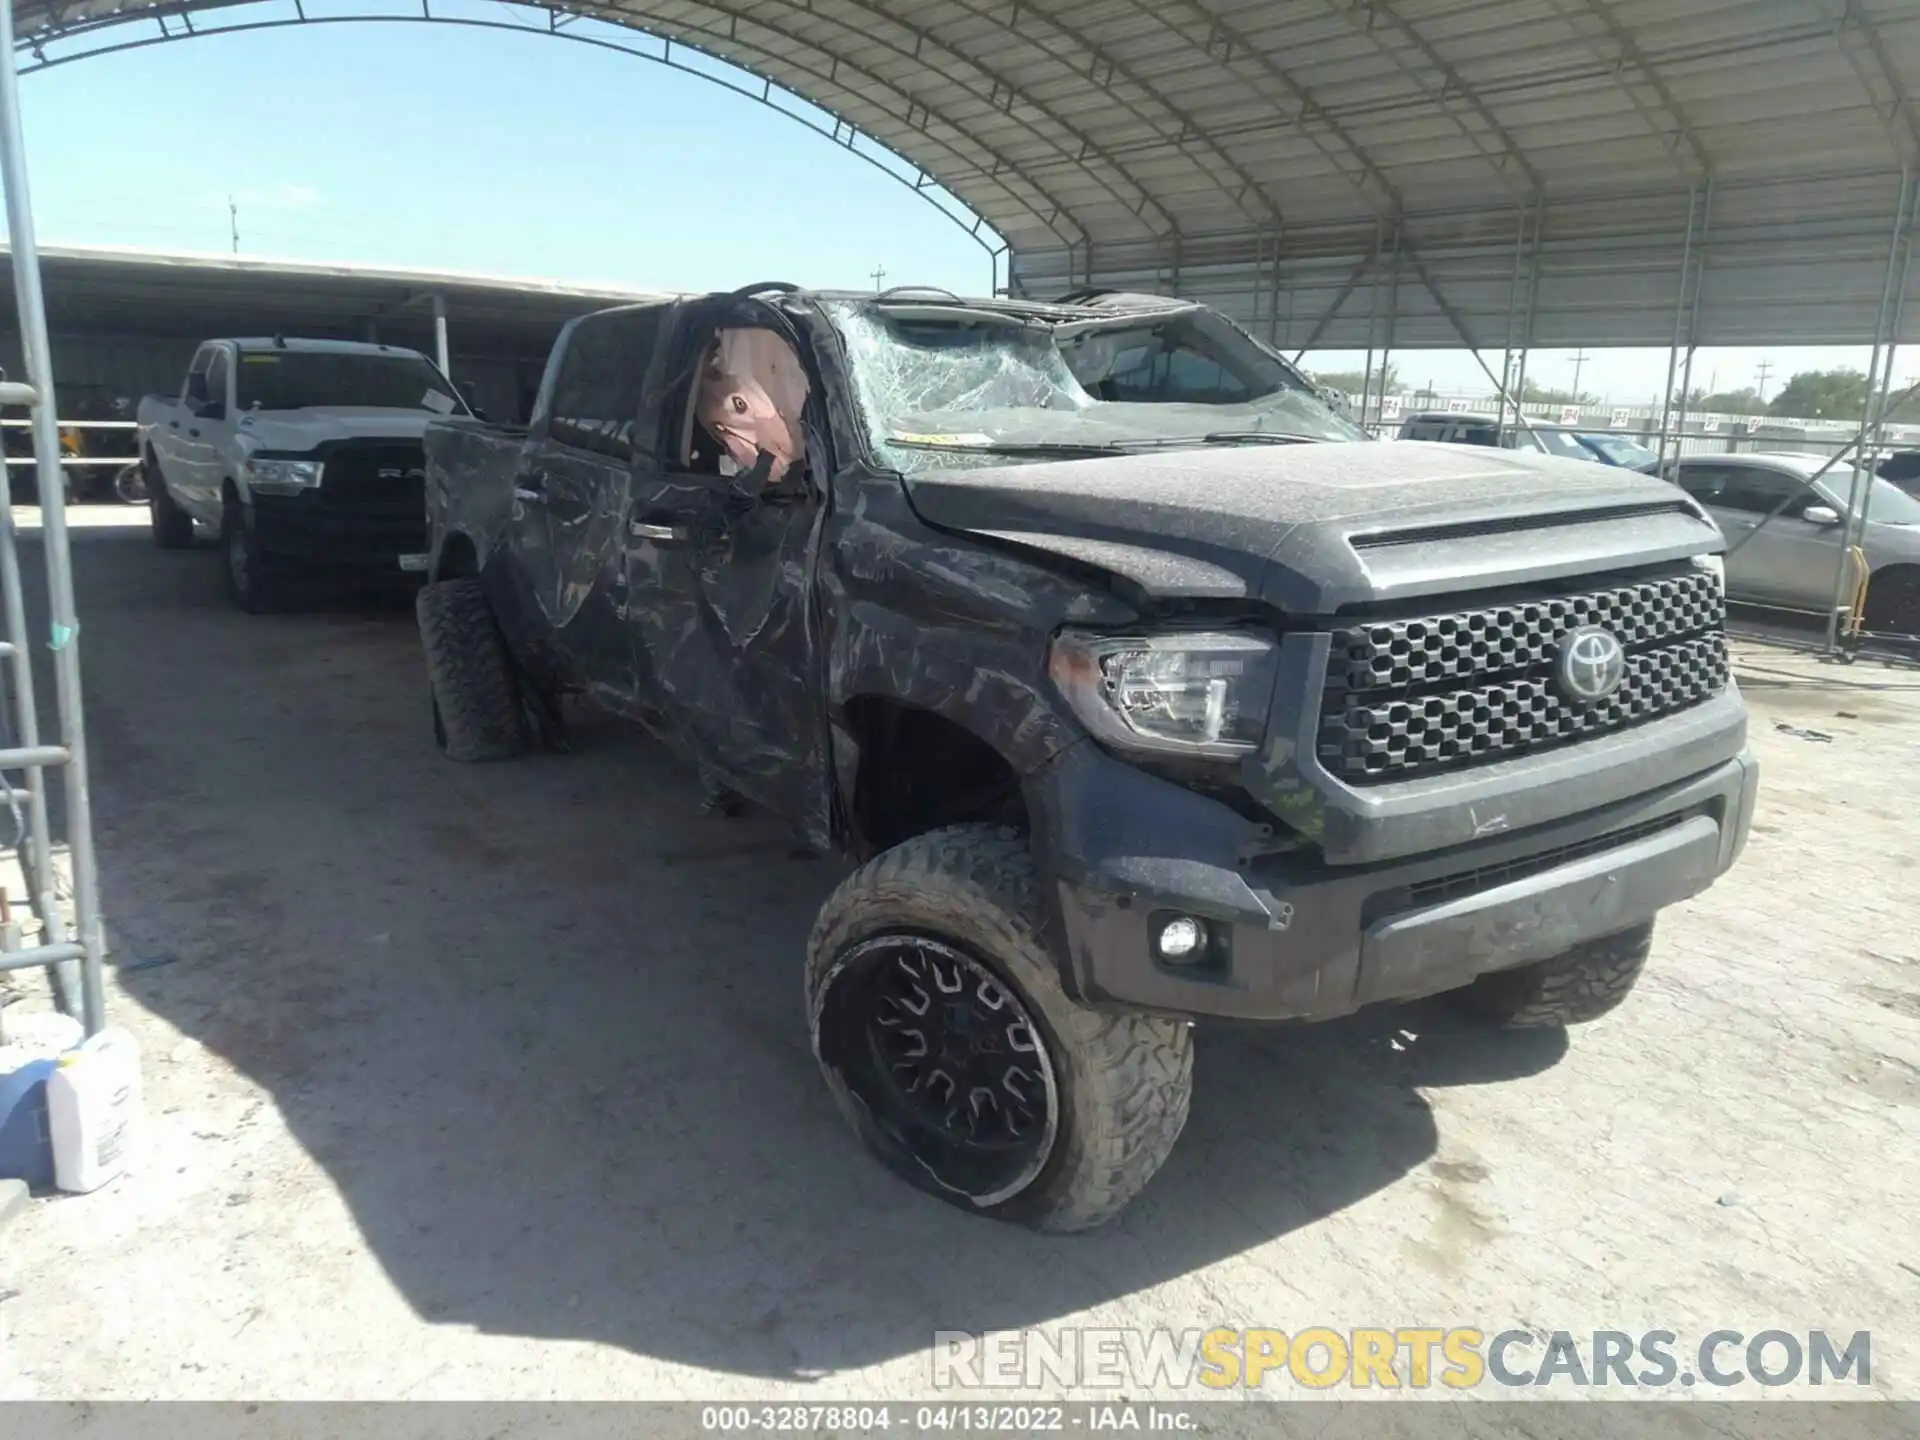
<point x="376" y="478"/>
<point x="1408" y="697"/>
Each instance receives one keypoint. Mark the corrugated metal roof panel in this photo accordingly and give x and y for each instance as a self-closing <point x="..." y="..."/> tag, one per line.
<point x="1187" y="142"/>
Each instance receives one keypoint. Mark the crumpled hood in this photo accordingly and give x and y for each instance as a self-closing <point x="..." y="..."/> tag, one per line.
<point x="303" y="430"/>
<point x="1312" y="528"/>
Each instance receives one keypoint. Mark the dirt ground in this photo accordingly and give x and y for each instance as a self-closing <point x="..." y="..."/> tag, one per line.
<point x="494" y="1081"/>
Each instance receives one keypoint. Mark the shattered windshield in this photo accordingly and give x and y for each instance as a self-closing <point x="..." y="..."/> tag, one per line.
<point x="942" y="386"/>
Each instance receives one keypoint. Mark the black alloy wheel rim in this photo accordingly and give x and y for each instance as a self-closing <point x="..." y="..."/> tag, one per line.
<point x="946" y="1062"/>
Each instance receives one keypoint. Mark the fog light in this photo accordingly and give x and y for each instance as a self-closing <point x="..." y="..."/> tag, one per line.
<point x="1181" y="938"/>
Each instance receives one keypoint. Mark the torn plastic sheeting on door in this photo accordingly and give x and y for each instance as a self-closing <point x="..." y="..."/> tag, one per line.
<point x="753" y="395"/>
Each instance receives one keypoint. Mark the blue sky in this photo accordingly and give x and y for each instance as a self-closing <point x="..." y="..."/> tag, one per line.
<point x="461" y="149"/>
<point x="443" y="147"/>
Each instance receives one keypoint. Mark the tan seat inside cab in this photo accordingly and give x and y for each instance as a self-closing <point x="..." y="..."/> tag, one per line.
<point x="752" y="395"/>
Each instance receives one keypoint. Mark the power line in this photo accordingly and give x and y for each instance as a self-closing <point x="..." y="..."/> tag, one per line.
<point x="1766" y="369"/>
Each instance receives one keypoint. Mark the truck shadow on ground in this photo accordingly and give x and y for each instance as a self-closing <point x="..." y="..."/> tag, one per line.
<point x="541" y="1023"/>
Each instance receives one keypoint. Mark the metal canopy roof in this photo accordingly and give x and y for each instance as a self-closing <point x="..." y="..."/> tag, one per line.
<point x="1576" y="171"/>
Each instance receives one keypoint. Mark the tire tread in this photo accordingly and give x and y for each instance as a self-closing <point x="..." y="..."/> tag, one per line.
<point x="1127" y="1078"/>
<point x="1585" y="983"/>
<point x="469" y="673"/>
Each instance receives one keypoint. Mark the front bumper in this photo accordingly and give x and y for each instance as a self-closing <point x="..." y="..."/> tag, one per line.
<point x="319" y="530"/>
<point x="1296" y="938"/>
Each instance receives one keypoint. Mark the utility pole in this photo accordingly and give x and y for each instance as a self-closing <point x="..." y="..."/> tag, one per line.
<point x="1766" y="369"/>
<point x="233" y="223"/>
<point x="879" y="273"/>
<point x="1579" y="358"/>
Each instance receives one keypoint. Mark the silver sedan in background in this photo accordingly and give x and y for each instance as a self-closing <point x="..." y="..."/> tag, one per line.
<point x="1789" y="562"/>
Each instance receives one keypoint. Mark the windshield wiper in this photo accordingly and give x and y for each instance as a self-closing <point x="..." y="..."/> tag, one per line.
<point x="1260" y="437"/>
<point x="1019" y="447"/>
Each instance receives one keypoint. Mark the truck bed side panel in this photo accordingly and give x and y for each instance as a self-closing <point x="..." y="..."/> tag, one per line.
<point x="471" y="467"/>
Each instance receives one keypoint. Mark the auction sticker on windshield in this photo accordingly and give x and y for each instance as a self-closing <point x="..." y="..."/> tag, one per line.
<point x="900" y="438"/>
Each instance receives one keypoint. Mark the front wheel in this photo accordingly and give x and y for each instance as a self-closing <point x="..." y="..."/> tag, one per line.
<point x="1570" y="989"/>
<point x="942" y="1029"/>
<point x="253" y="580"/>
<point x="1893" y="602"/>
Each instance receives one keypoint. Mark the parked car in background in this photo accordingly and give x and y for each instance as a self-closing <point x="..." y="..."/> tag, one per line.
<point x="1790" y="561"/>
<point x="1449" y="429"/>
<point x="1620" y="451"/>
<point x="1902" y="468"/>
<point x="300" y="452"/>
<point x="1136" y="709"/>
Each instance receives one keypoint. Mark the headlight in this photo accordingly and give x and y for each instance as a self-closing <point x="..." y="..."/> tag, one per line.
<point x="1202" y="694"/>
<point x="283" y="477"/>
<point x="1716" y="566"/>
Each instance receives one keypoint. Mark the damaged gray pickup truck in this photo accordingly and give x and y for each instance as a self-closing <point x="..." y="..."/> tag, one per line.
<point x="1143" y="686"/>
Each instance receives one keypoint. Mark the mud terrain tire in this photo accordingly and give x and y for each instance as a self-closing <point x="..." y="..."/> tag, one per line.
<point x="1121" y="1083"/>
<point x="477" y="709"/>
<point x="1583" y="984"/>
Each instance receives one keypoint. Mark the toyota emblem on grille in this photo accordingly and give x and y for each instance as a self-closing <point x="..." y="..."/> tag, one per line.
<point x="1591" y="666"/>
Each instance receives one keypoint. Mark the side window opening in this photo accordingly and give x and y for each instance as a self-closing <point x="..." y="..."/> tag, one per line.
<point x="1759" y="491"/>
<point x="747" y="407"/>
<point x="597" y="395"/>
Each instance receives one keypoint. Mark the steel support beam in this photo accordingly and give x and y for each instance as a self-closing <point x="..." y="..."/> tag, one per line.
<point x="1679" y="320"/>
<point x="1879" y="383"/>
<point x="63" y="624"/>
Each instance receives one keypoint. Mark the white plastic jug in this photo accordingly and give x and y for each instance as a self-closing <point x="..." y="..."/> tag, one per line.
<point x="29" y="1047"/>
<point x="93" y="1097"/>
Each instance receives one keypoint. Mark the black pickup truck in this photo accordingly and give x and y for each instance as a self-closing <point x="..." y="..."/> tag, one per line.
<point x="1146" y="689"/>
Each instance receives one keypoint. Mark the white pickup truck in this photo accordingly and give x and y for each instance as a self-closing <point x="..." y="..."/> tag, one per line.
<point x="300" y="453"/>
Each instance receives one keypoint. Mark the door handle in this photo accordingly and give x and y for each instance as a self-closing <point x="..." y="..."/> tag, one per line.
<point x="173" y="424"/>
<point x="194" y="433"/>
<point x="659" y="534"/>
<point x="530" y="494"/>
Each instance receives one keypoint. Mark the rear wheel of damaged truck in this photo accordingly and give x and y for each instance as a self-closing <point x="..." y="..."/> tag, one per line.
<point x="478" y="709"/>
<point x="944" y="1033"/>
<point x="1583" y="984"/>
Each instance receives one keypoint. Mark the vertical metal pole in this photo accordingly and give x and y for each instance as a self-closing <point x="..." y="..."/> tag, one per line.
<point x="1526" y="324"/>
<point x="46" y="902"/>
<point x="1855" y="527"/>
<point x="1693" y="320"/>
<point x="1373" y="321"/>
<point x="1679" y="320"/>
<point x="1273" y="293"/>
<point x="1393" y="316"/>
<point x="63" y="623"/>
<point x="440" y="335"/>
<point x="1513" y="304"/>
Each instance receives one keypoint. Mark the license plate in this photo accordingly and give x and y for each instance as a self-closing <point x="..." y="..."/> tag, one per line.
<point x="413" y="562"/>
